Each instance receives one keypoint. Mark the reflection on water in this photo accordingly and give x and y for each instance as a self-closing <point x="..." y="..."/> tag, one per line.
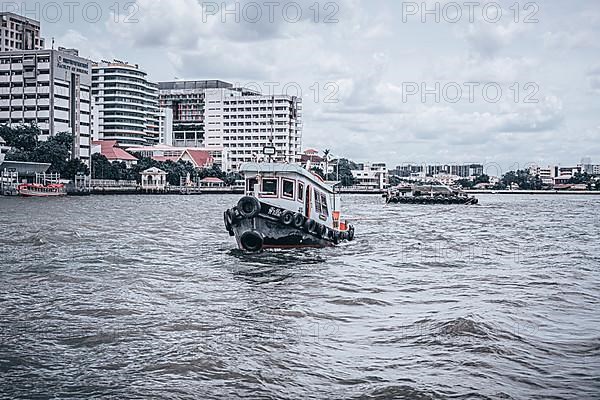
<point x="130" y="297"/>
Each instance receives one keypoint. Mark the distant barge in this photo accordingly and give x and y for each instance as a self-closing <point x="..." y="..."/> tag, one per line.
<point x="428" y="194"/>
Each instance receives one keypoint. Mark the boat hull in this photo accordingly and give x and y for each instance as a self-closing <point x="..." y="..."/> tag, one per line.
<point x="24" y="193"/>
<point x="432" y="200"/>
<point x="267" y="230"/>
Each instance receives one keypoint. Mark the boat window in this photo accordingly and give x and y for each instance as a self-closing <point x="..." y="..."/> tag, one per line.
<point x="324" y="209"/>
<point x="288" y="189"/>
<point x="300" y="191"/>
<point x="318" y="207"/>
<point x="269" y="186"/>
<point x="251" y="183"/>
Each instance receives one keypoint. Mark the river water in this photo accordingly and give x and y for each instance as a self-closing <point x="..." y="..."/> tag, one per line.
<point x="147" y="297"/>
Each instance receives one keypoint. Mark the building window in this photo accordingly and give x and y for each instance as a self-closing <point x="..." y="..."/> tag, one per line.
<point x="288" y="189"/>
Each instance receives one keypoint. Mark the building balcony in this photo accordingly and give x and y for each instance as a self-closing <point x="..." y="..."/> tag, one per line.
<point x="16" y="114"/>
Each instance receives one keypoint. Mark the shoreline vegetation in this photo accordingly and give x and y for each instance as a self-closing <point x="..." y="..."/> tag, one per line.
<point x="25" y="145"/>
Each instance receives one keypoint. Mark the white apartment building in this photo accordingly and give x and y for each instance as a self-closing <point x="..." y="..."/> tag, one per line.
<point x="165" y="126"/>
<point x="371" y="176"/>
<point x="546" y="174"/>
<point x="49" y="88"/>
<point x="19" y="33"/>
<point x="244" y="122"/>
<point x="125" y="104"/>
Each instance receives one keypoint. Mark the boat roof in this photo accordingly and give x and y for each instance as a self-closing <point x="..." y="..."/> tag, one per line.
<point x="280" y="168"/>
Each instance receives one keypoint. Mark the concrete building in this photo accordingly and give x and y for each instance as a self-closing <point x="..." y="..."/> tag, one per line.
<point x="19" y="33"/>
<point x="49" y="88"/>
<point x="589" y="168"/>
<point x="216" y="115"/>
<point x="125" y="104"/>
<point x="371" y="176"/>
<point x="113" y="153"/>
<point x="187" y="99"/>
<point x="154" y="179"/>
<point x="244" y="122"/>
<point x="165" y="126"/>
<point x="546" y="174"/>
<point x="424" y="170"/>
<point x="219" y="156"/>
<point x="3" y="149"/>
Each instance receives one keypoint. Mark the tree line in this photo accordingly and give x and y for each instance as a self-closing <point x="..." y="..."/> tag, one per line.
<point x="26" y="146"/>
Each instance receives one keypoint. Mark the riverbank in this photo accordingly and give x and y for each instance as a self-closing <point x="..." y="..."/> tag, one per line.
<point x="536" y="192"/>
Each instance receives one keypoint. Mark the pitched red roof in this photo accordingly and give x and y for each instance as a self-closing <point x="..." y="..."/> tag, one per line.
<point x="200" y="158"/>
<point x="109" y="149"/>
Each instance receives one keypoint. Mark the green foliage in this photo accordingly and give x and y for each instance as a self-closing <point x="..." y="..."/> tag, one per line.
<point x="23" y="138"/>
<point x="470" y="184"/>
<point x="56" y="151"/>
<point x="343" y="172"/>
<point x="177" y="172"/>
<point x="523" y="179"/>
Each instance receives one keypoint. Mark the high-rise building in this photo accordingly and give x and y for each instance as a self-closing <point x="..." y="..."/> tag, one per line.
<point x="19" y="33"/>
<point x="165" y="126"/>
<point x="187" y="100"/>
<point x="216" y="115"/>
<point x="125" y="104"/>
<point x="49" y="88"/>
<point x="245" y="122"/>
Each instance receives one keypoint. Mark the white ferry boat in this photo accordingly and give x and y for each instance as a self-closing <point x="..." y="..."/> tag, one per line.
<point x="286" y="206"/>
<point x="39" y="190"/>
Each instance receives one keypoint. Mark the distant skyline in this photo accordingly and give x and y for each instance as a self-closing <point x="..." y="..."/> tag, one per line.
<point x="362" y="77"/>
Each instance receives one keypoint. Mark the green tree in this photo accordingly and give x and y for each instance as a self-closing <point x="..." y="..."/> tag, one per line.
<point x="73" y="168"/>
<point x="23" y="138"/>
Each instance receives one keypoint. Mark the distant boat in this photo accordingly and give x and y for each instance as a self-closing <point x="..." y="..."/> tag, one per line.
<point x="38" y="190"/>
<point x="429" y="194"/>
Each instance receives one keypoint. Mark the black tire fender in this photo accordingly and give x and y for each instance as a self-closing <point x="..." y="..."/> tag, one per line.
<point x="287" y="218"/>
<point x="252" y="241"/>
<point x="249" y="207"/>
<point x="299" y="220"/>
<point x="310" y="225"/>
<point x="351" y="233"/>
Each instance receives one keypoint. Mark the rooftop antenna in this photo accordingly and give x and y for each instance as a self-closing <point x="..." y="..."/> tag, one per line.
<point x="52" y="42"/>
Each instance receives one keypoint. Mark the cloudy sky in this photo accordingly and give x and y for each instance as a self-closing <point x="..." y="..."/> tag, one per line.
<point x="381" y="80"/>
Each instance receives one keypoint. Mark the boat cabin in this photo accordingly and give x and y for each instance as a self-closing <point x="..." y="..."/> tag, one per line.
<point x="293" y="188"/>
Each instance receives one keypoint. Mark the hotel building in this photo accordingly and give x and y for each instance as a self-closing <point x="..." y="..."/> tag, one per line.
<point x="19" y="33"/>
<point x="49" y="88"/>
<point x="244" y="122"/>
<point x="125" y="104"/>
<point x="216" y="115"/>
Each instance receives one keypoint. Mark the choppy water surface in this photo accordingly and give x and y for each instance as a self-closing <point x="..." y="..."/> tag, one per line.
<point x="131" y="297"/>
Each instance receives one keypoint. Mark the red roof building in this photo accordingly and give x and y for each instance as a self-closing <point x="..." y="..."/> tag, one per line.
<point x="110" y="150"/>
<point x="198" y="158"/>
